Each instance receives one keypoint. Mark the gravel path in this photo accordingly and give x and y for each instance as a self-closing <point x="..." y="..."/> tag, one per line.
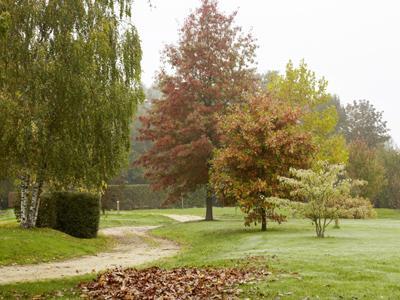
<point x="134" y="247"/>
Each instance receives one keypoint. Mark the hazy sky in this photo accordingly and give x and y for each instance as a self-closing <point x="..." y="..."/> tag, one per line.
<point x="354" y="44"/>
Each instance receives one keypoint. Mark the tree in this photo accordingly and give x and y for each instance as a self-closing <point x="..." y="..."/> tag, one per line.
<point x="364" y="123"/>
<point x="364" y="163"/>
<point x="211" y="69"/>
<point x="261" y="140"/>
<point x="300" y="88"/>
<point x="389" y="195"/>
<point x="69" y="82"/>
<point x="326" y="190"/>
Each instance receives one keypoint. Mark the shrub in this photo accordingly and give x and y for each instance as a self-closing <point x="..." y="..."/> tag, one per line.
<point x="47" y="214"/>
<point x="357" y="208"/>
<point x="78" y="214"/>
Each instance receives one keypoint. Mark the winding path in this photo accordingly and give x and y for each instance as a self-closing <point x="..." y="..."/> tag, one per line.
<point x="134" y="247"/>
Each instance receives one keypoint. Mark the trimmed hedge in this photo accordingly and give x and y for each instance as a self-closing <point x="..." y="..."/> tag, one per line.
<point x="141" y="196"/>
<point x="77" y="214"/>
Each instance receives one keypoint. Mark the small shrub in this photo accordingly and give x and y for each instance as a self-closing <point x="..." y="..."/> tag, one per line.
<point x="78" y="214"/>
<point x="357" y="208"/>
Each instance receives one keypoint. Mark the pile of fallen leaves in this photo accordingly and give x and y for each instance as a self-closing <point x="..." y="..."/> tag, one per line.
<point x="178" y="283"/>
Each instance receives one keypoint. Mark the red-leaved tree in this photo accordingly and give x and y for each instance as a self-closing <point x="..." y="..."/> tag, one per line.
<point x="261" y="141"/>
<point x="209" y="69"/>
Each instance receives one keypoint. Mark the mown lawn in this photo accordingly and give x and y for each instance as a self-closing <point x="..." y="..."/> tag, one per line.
<point x="359" y="261"/>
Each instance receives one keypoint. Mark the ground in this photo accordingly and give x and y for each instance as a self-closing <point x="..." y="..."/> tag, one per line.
<point x="358" y="261"/>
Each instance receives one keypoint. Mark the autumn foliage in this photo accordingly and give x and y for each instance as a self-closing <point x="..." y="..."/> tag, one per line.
<point x="261" y="140"/>
<point x="178" y="283"/>
<point x="210" y="68"/>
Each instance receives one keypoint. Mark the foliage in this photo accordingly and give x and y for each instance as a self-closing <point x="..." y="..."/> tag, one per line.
<point x="389" y="195"/>
<point x="300" y="88"/>
<point x="178" y="283"/>
<point x="364" y="163"/>
<point x="210" y="68"/>
<point x="326" y="191"/>
<point x="6" y="186"/>
<point x="78" y="214"/>
<point x="364" y="123"/>
<point x="357" y="208"/>
<point x="260" y="141"/>
<point x="69" y="84"/>
<point x="139" y="196"/>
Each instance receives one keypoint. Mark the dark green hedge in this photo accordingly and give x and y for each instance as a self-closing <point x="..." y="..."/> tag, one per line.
<point x="140" y="196"/>
<point x="77" y="214"/>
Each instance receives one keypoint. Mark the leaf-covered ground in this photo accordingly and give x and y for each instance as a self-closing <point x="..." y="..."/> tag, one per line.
<point x="177" y="283"/>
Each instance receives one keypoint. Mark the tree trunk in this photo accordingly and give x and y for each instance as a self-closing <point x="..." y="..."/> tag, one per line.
<point x="263" y="220"/>
<point x="35" y="203"/>
<point x="24" y="200"/>
<point x="337" y="225"/>
<point x="209" y="208"/>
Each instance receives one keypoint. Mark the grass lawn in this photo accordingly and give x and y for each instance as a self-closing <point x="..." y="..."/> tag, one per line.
<point x="359" y="261"/>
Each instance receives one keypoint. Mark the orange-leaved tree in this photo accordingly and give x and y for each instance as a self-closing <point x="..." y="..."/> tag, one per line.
<point x="209" y="69"/>
<point x="261" y="140"/>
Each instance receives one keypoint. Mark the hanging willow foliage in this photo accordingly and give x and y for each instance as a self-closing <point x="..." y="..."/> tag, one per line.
<point x="69" y="85"/>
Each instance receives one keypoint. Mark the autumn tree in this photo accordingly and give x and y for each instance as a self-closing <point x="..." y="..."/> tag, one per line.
<point x="389" y="196"/>
<point x="69" y="84"/>
<point x="300" y="88"/>
<point x="261" y="141"/>
<point x="209" y="69"/>
<point x="327" y="192"/>
<point x="364" y="123"/>
<point x="365" y="163"/>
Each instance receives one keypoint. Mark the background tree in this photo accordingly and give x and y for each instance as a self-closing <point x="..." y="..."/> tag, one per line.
<point x="389" y="195"/>
<point x="326" y="191"/>
<point x="69" y="82"/>
<point x="300" y="88"/>
<point x="365" y="164"/>
<point x="211" y="68"/>
<point x="364" y="123"/>
<point x="261" y="140"/>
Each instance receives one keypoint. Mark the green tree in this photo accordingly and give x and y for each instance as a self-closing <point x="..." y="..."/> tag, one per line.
<point x="261" y="140"/>
<point x="326" y="191"/>
<point x="300" y="88"/>
<point x="389" y="195"/>
<point x="69" y="82"/>
<point x="364" y="123"/>
<point x="364" y="163"/>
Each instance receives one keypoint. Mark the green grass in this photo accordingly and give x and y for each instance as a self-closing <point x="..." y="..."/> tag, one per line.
<point x="359" y="261"/>
<point x="21" y="246"/>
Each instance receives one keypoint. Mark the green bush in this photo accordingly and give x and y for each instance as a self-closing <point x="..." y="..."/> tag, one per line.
<point x="76" y="214"/>
<point x="47" y="215"/>
<point x="141" y="196"/>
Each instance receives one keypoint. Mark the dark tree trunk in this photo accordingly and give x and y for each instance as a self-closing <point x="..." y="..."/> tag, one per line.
<point x="209" y="208"/>
<point x="263" y="220"/>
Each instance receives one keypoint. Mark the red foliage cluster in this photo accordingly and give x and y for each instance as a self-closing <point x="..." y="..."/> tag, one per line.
<point x="210" y="68"/>
<point x="179" y="283"/>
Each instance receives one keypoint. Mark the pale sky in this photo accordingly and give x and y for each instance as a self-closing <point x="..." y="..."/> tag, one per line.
<point x="354" y="44"/>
